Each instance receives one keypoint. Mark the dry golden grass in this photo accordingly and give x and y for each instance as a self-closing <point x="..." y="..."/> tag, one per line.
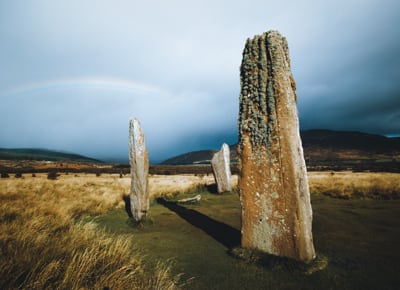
<point x="168" y="185"/>
<point x="355" y="185"/>
<point x="43" y="245"/>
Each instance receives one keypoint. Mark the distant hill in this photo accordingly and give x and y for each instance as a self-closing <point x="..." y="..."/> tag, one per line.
<point x="43" y="154"/>
<point x="195" y="157"/>
<point x="326" y="149"/>
<point x="342" y="140"/>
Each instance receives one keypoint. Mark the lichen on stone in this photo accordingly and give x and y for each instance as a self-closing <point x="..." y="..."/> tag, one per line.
<point x="257" y="95"/>
<point x="276" y="212"/>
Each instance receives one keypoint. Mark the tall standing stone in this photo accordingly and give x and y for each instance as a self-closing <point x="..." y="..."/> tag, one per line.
<point x="273" y="183"/>
<point x="139" y="161"/>
<point x="221" y="168"/>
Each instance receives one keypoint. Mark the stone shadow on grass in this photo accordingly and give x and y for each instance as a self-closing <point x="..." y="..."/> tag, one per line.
<point x="127" y="201"/>
<point x="223" y="233"/>
<point x="212" y="188"/>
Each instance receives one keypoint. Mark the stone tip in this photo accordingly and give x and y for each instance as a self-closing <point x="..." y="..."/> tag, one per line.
<point x="134" y="123"/>
<point x="268" y="33"/>
<point x="133" y="119"/>
<point x="273" y="31"/>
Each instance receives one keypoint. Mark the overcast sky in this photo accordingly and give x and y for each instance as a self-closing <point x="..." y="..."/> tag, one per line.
<point x="73" y="72"/>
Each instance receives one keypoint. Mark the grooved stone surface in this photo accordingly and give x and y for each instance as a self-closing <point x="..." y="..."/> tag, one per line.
<point x="273" y="184"/>
<point x="139" y="161"/>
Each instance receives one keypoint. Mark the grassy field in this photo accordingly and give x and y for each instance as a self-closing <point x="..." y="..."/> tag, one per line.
<point x="349" y="185"/>
<point x="45" y="245"/>
<point x="74" y="232"/>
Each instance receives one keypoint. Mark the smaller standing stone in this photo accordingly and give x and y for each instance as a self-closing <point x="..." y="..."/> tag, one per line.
<point x="221" y="169"/>
<point x="139" y="161"/>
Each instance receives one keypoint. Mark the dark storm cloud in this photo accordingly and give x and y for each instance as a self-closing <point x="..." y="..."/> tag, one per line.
<point x="350" y="81"/>
<point x="73" y="72"/>
<point x="360" y="94"/>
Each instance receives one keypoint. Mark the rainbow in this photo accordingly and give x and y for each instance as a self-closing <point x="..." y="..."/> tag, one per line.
<point x="97" y="83"/>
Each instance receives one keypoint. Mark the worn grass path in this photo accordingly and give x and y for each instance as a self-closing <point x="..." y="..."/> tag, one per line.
<point x="360" y="238"/>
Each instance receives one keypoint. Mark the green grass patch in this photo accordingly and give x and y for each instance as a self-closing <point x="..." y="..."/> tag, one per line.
<point x="356" y="240"/>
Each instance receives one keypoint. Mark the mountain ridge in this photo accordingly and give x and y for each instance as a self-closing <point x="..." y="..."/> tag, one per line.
<point x="318" y="144"/>
<point x="40" y="154"/>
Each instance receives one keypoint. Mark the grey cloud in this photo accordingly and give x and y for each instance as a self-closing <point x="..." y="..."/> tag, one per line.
<point x="344" y="59"/>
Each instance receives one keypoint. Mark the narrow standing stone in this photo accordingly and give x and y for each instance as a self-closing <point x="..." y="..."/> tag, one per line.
<point x="139" y="161"/>
<point x="273" y="183"/>
<point x="221" y="169"/>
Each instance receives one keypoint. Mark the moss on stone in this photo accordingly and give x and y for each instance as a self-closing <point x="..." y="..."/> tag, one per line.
<point x="257" y="100"/>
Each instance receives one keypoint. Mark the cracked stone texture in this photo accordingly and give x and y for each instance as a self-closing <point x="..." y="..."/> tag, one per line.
<point x="221" y="168"/>
<point x="273" y="183"/>
<point x="139" y="161"/>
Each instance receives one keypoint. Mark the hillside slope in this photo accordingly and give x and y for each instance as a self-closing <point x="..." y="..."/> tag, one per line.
<point x="43" y="154"/>
<point x="195" y="157"/>
<point x="325" y="149"/>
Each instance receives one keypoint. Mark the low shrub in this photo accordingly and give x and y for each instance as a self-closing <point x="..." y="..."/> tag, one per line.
<point x="52" y="175"/>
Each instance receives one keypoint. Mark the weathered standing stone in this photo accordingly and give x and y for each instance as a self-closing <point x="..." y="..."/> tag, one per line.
<point x="139" y="161"/>
<point x="273" y="184"/>
<point x="221" y="169"/>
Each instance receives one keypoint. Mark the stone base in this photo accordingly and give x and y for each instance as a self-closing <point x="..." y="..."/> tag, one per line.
<point x="282" y="263"/>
